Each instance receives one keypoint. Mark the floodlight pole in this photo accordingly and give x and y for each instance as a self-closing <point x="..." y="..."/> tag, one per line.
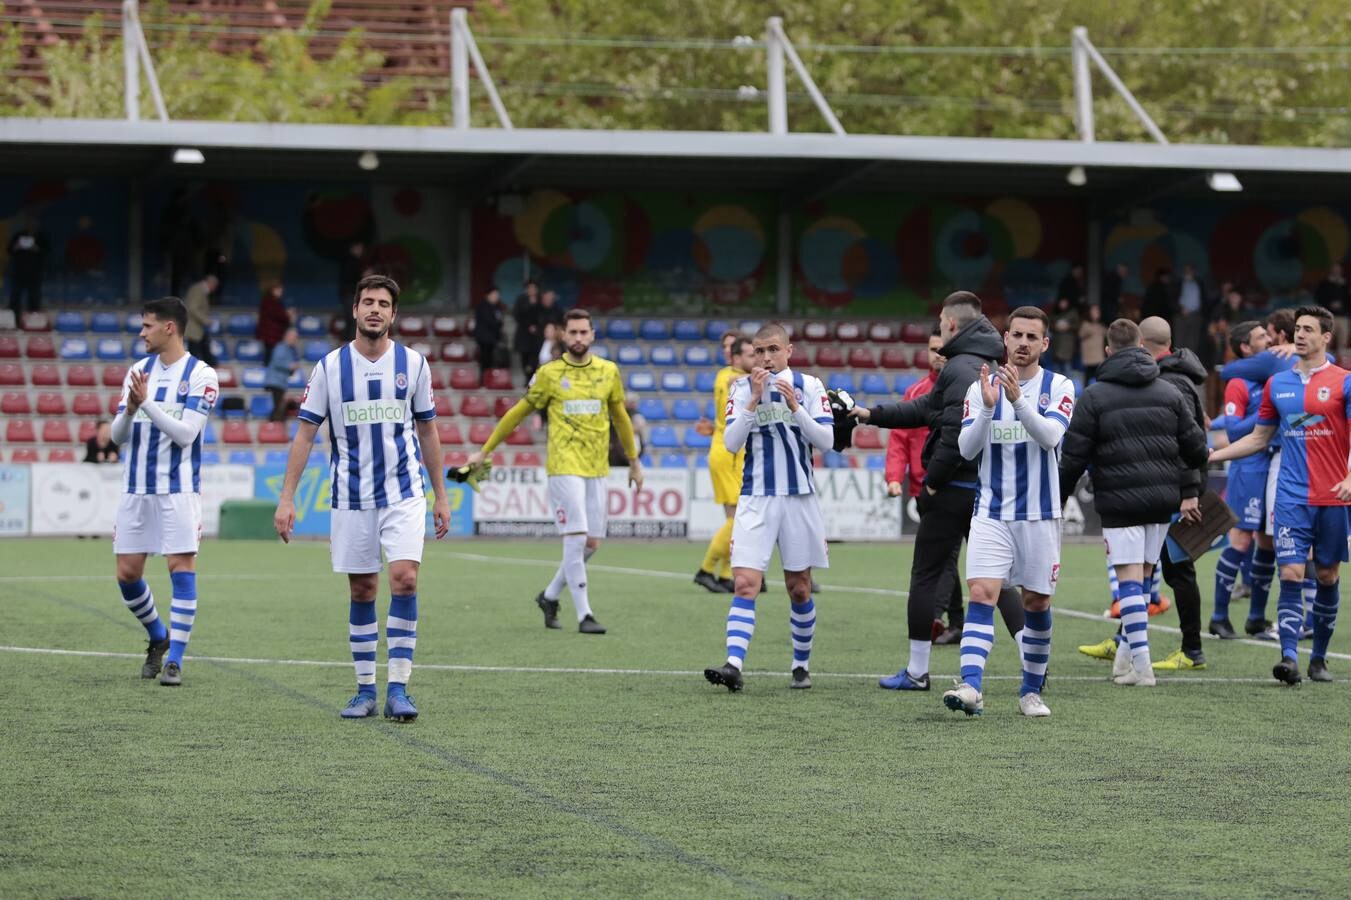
<point x="1083" y="84"/>
<point x="778" y="46"/>
<point x="136" y="53"/>
<point x="463" y="51"/>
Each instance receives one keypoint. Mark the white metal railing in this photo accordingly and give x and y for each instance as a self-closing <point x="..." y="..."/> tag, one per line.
<point x="135" y="55"/>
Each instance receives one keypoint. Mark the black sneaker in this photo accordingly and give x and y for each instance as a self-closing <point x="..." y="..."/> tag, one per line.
<point x="764" y="586"/>
<point x="1318" y="670"/>
<point x="154" y="656"/>
<point x="1222" y="629"/>
<point x="550" y="608"/>
<point x="726" y="674"/>
<point x="589" y="625"/>
<point x="1258" y="628"/>
<point x="728" y="585"/>
<point x="708" y="581"/>
<point x="172" y="676"/>
<point x="802" y="679"/>
<point x="948" y="636"/>
<point x="1287" y="671"/>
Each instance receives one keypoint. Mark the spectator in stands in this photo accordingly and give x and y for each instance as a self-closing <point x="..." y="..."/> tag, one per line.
<point x="1109" y="296"/>
<point x="355" y="266"/>
<point x="488" y="331"/>
<point x="27" y="253"/>
<point x="182" y="239"/>
<point x="101" y="448"/>
<point x="551" y="348"/>
<point x="1332" y="294"/>
<point x="197" y="334"/>
<point x="273" y="320"/>
<point x="1064" y="334"/>
<point x="1189" y="318"/>
<point x="284" y="362"/>
<point x="526" y="341"/>
<point x="1072" y="287"/>
<point x="1092" y="343"/>
<point x="1229" y="310"/>
<point x="1160" y="296"/>
<point x="549" y="313"/>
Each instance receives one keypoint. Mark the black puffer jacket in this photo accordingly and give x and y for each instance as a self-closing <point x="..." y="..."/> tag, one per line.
<point x="1135" y="432"/>
<point x="1184" y="371"/>
<point x="975" y="344"/>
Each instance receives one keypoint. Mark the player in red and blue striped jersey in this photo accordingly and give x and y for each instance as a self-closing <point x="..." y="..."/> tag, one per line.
<point x="1311" y="406"/>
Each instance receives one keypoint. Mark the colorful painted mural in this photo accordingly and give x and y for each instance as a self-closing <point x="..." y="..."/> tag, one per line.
<point x="85" y="225"/>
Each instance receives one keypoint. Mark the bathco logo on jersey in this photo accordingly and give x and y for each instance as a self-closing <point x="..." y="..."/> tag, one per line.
<point x="374" y="412"/>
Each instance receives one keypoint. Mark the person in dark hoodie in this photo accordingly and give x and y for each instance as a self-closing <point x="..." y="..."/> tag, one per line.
<point x="1129" y="430"/>
<point x="948" y="494"/>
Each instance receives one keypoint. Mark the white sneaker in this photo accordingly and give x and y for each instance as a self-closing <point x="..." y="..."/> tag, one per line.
<point x="1121" y="663"/>
<point x="965" y="698"/>
<point x="1032" y="706"/>
<point x="1137" y="677"/>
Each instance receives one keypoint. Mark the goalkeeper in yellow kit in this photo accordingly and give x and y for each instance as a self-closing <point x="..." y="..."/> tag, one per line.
<point x="724" y="468"/>
<point x="582" y="394"/>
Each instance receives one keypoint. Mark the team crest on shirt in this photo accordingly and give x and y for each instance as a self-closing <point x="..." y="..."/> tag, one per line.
<point x="401" y="381"/>
<point x="1230" y="409"/>
<point x="1044" y="401"/>
<point x="183" y="389"/>
<point x="564" y="383"/>
<point x="1324" y="393"/>
<point x="797" y="392"/>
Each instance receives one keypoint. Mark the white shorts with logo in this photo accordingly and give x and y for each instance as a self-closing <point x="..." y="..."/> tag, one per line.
<point x="1135" y="544"/>
<point x="158" y="523"/>
<point x="1024" y="554"/>
<point x="1273" y="473"/>
<point x="793" y="523"/>
<point x="579" y="504"/>
<point x="357" y="536"/>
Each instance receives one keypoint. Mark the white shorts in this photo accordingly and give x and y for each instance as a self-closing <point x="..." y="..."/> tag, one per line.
<point x="1273" y="473"/>
<point x="358" y="535"/>
<point x="158" y="523"/>
<point x="793" y="523"/>
<point x="1135" y="544"/>
<point x="1024" y="554"/>
<point x="579" y="504"/>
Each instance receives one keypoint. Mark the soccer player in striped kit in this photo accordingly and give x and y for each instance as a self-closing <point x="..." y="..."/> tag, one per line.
<point x="778" y="415"/>
<point x="376" y="396"/>
<point x="1014" y="420"/>
<point x="166" y="399"/>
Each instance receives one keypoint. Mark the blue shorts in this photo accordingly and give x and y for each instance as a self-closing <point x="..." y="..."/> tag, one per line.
<point x="1301" y="528"/>
<point x="1247" y="497"/>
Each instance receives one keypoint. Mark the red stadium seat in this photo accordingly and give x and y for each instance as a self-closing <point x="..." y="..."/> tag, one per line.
<point x="464" y="380"/>
<point x="862" y="358"/>
<point x="867" y="439"/>
<point x="113" y="376"/>
<point x="850" y="333"/>
<point x="881" y="333"/>
<point x="114" y="401"/>
<point x="37" y="321"/>
<point x="57" y="431"/>
<point x="80" y="376"/>
<point x="456" y="458"/>
<point x="9" y="347"/>
<point x="801" y="358"/>
<point x="11" y="375"/>
<point x="15" y="404"/>
<point x="498" y="380"/>
<point x="40" y="347"/>
<point x="915" y="333"/>
<point x="428" y="351"/>
<point x="438" y="378"/>
<point x="272" y="433"/>
<point x="896" y="358"/>
<point x="45" y="375"/>
<point x="527" y="458"/>
<point x="479" y="434"/>
<point x="226" y="377"/>
<point x="502" y="405"/>
<point x="25" y="455"/>
<point x="86" y="404"/>
<point x="449" y="433"/>
<point x="443" y="406"/>
<point x="88" y="429"/>
<point x="521" y="437"/>
<point x="458" y="352"/>
<point x="51" y="404"/>
<point x="920" y="359"/>
<point x="475" y="407"/>
<point x="816" y="331"/>
<point x="236" y="433"/>
<point x="61" y="455"/>
<point x="412" y="326"/>
<point x="829" y="358"/>
<point x="446" y="327"/>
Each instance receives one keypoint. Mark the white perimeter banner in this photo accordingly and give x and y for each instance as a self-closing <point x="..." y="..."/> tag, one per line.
<point x="854" y="504"/>
<point x="82" y="498"/>
<point x="515" y="502"/>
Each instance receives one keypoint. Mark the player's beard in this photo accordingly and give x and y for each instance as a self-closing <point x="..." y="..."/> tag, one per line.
<point x="578" y="350"/>
<point x="373" y="335"/>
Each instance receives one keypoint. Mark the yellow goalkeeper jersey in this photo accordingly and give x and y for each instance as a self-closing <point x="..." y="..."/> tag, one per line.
<point x="577" y="400"/>
<point x="722" y="386"/>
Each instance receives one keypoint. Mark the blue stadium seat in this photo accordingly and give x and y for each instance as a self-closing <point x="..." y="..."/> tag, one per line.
<point x="749" y="327"/>
<point x="224" y="413"/>
<point x="253" y="377"/>
<point x="76" y="349"/>
<point x="654" y="330"/>
<point x="696" y="441"/>
<point x="701" y="461"/>
<point x="298" y="378"/>
<point x="214" y="327"/>
<point x="714" y="328"/>
<point x="277" y="458"/>
<point x="105" y="323"/>
<point x="249" y="351"/>
<point x="630" y="355"/>
<point x="652" y="409"/>
<point x="873" y="384"/>
<point x="646" y="459"/>
<point x="316" y="350"/>
<point x="641" y="381"/>
<point x="260" y="406"/>
<point x="835" y="460"/>
<point x="311" y="326"/>
<point x="676" y="382"/>
<point x="903" y="383"/>
<point x="686" y="410"/>
<point x="600" y="351"/>
<point x="664" y="356"/>
<point x="210" y="458"/>
<point x="704" y="381"/>
<point x="110" y="349"/>
<point x="709" y="410"/>
<point x="688" y="330"/>
<point x="241" y="324"/>
<point x="132" y="323"/>
<point x="138" y="350"/>
<point x="698" y="356"/>
<point x="665" y="437"/>
<point x="841" y="381"/>
<point x="73" y="322"/>
<point x="671" y="461"/>
<point x="209" y="433"/>
<point x="876" y="462"/>
<point x="620" y="330"/>
<point x="221" y="351"/>
<point x="242" y="458"/>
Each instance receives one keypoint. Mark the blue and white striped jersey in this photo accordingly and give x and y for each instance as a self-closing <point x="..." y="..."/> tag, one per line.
<point x="153" y="463"/>
<point x="778" y="456"/>
<point x="370" y="408"/>
<point x="1019" y="478"/>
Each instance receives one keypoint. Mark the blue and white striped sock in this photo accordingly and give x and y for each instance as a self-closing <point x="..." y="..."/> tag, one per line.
<point x="1324" y="618"/>
<point x="363" y="634"/>
<point x="802" y="622"/>
<point x="977" y="641"/>
<point x="1112" y="582"/>
<point x="1135" y="622"/>
<point x="1226" y="573"/>
<point x="1155" y="581"/>
<point x="1310" y="595"/>
<point x="138" y="598"/>
<point x="740" y="628"/>
<point x="1290" y="617"/>
<point x="1263" y="571"/>
<point x="1036" y="644"/>
<point x="400" y="640"/>
<point x="182" y="612"/>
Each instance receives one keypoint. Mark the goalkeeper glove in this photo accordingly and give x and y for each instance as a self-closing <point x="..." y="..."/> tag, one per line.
<point x="471" y="475"/>
<point x="840" y="405"/>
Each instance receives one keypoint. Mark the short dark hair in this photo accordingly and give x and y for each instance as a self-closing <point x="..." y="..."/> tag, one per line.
<point x="731" y="332"/>
<point x="962" y="300"/>
<point x="1240" y="334"/>
<point x="1320" y="313"/>
<point x="375" y="282"/>
<point x="773" y="328"/>
<point x="1032" y="312"/>
<point x="738" y="342"/>
<point x="574" y="314"/>
<point x="1282" y="321"/>
<point x="167" y="309"/>
<point x="1123" y="333"/>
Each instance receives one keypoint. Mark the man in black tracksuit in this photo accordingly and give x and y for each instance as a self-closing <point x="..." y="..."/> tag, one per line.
<point x="950" y="481"/>
<point x="1139" y="438"/>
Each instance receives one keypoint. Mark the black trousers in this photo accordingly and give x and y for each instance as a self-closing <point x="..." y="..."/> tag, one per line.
<point x="202" y="350"/>
<point x="23" y="287"/>
<point x="1181" y="577"/>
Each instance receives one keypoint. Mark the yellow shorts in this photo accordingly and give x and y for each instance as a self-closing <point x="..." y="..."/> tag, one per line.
<point x="725" y="471"/>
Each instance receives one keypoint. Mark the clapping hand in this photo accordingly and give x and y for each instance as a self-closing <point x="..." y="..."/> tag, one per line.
<point x="989" y="388"/>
